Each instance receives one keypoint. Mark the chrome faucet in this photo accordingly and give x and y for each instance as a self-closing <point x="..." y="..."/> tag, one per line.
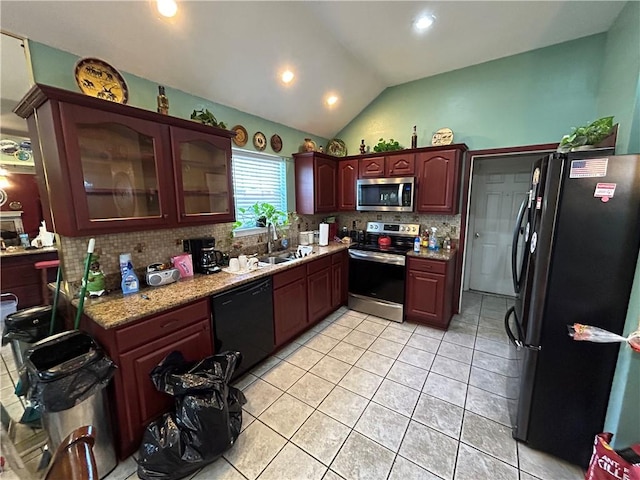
<point x="270" y="237"/>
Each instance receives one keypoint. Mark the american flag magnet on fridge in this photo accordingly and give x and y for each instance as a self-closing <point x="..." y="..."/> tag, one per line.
<point x="588" y="168"/>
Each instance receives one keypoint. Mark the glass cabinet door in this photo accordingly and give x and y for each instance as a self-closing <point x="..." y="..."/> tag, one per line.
<point x="115" y="164"/>
<point x="203" y="176"/>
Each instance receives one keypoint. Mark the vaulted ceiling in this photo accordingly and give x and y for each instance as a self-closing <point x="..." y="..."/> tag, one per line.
<point x="231" y="52"/>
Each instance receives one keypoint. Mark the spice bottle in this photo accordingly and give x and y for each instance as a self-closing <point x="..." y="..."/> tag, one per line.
<point x="163" y="101"/>
<point x="414" y="138"/>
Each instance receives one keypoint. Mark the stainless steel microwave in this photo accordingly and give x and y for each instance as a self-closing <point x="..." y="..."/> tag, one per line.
<point x="385" y="194"/>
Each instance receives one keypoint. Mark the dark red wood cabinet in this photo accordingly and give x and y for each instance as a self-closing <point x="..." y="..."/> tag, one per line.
<point x="438" y="187"/>
<point x="136" y="349"/>
<point x="394" y="164"/>
<point x="316" y="183"/>
<point x="19" y="277"/>
<point x="347" y="178"/>
<point x="114" y="168"/>
<point x="372" y="167"/>
<point x="340" y="278"/>
<point x="429" y="291"/>
<point x="319" y="288"/>
<point x="290" y="315"/>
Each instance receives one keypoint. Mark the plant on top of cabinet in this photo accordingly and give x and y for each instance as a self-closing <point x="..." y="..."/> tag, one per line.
<point x="389" y="146"/>
<point x="205" y="117"/>
<point x="587" y="136"/>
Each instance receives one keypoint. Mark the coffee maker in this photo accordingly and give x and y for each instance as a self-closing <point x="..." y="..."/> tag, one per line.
<point x="205" y="258"/>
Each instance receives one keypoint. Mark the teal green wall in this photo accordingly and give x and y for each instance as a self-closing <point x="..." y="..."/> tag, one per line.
<point x="55" y="67"/>
<point x="623" y="414"/>
<point x="619" y="80"/>
<point x="534" y="97"/>
<point x="620" y="95"/>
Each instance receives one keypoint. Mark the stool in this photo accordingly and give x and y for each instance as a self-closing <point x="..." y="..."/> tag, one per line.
<point x="43" y="267"/>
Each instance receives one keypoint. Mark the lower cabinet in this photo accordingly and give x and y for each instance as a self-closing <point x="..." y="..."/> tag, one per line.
<point x="136" y="349"/>
<point x="319" y="289"/>
<point x="340" y="279"/>
<point x="20" y="277"/>
<point x="289" y="304"/>
<point x="429" y="291"/>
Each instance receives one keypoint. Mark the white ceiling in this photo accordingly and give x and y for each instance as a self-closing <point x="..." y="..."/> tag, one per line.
<point x="232" y="52"/>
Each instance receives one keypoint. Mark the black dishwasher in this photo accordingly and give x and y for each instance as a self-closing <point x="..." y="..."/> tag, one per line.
<point x="243" y="322"/>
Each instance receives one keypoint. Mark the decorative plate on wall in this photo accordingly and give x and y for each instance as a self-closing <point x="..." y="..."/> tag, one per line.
<point x="276" y="143"/>
<point x="97" y="78"/>
<point x="241" y="135"/>
<point x="444" y="136"/>
<point x="337" y="148"/>
<point x="259" y="141"/>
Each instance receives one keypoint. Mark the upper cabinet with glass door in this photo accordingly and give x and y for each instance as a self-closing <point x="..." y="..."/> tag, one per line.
<point x="107" y="168"/>
<point x="203" y="176"/>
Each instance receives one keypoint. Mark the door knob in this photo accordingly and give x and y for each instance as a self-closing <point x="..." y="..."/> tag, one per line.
<point x="477" y="235"/>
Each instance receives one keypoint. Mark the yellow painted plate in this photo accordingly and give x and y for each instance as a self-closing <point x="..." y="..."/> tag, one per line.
<point x="97" y="78"/>
<point x="444" y="136"/>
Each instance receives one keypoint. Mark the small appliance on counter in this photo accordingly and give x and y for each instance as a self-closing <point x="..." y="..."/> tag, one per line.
<point x="206" y="259"/>
<point x="157" y="274"/>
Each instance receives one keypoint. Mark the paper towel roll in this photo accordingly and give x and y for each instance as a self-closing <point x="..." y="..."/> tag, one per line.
<point x="324" y="235"/>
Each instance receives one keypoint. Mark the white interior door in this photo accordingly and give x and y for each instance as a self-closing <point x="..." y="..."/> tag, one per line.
<point x="498" y="187"/>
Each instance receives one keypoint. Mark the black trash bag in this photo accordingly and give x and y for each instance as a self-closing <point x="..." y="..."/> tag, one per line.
<point x="64" y="370"/>
<point x="27" y="325"/>
<point x="206" y="422"/>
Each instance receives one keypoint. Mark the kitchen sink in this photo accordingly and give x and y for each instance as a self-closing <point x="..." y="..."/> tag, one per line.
<point x="274" y="259"/>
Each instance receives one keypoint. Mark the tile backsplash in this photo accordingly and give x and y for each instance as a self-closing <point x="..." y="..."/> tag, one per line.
<point x="160" y="245"/>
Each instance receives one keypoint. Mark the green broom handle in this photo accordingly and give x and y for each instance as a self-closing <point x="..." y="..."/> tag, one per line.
<point x="83" y="287"/>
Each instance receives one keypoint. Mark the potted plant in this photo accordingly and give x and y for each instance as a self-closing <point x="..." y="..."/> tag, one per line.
<point x="587" y="136"/>
<point x="261" y="214"/>
<point x="205" y="117"/>
<point x="389" y="146"/>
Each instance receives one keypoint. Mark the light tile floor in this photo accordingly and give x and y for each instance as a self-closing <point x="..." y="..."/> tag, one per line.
<point x="359" y="397"/>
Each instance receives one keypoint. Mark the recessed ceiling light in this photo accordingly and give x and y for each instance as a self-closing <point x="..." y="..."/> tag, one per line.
<point x="332" y="100"/>
<point x="424" y="22"/>
<point x="167" y="8"/>
<point x="287" y="76"/>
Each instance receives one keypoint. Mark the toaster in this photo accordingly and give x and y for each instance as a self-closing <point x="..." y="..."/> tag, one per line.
<point x="157" y="275"/>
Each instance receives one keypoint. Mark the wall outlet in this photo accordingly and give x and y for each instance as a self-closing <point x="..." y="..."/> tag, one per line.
<point x="139" y="247"/>
<point x="178" y="242"/>
<point x="379" y="218"/>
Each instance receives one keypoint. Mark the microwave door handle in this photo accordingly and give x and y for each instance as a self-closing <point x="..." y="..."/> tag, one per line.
<point x="400" y="185"/>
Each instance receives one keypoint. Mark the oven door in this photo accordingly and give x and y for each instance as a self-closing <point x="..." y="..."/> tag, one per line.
<point x="385" y="194"/>
<point x="376" y="283"/>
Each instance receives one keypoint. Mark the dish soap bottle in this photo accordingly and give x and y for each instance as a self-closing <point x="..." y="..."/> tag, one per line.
<point x="416" y="244"/>
<point x="433" y="239"/>
<point x="130" y="283"/>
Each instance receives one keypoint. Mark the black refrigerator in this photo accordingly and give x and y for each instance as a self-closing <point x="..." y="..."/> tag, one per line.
<point x="579" y="237"/>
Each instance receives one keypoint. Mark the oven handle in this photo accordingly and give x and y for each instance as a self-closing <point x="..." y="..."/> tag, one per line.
<point x="378" y="257"/>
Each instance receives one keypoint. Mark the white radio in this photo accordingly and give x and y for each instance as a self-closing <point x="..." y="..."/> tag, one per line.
<point x="157" y="276"/>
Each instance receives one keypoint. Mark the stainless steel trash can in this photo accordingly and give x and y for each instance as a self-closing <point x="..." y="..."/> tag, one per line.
<point x="68" y="373"/>
<point x="24" y="328"/>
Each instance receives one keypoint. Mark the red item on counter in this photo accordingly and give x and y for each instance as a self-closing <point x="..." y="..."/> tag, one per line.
<point x="609" y="464"/>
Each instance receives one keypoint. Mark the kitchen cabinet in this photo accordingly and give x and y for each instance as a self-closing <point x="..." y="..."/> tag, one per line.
<point x="316" y="183"/>
<point x="20" y="277"/>
<point x="289" y="304"/>
<point x="347" y="178"/>
<point x="398" y="164"/>
<point x="438" y="182"/>
<point x="136" y="349"/>
<point x="429" y="291"/>
<point x="339" y="279"/>
<point x="319" y="288"/>
<point x="104" y="167"/>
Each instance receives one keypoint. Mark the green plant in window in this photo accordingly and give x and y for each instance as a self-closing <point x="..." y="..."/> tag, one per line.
<point x="261" y="214"/>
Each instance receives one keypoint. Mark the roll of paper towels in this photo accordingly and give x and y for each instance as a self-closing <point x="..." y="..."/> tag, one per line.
<point x="324" y="235"/>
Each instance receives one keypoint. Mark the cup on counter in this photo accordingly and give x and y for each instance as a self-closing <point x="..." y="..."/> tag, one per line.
<point x="242" y="262"/>
<point x="252" y="263"/>
<point x="234" y="265"/>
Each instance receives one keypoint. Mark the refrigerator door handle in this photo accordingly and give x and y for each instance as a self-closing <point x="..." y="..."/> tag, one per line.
<point x="514" y="247"/>
<point x="517" y="342"/>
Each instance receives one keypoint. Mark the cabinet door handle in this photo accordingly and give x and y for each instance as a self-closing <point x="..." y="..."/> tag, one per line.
<point x="165" y="215"/>
<point x="183" y="215"/>
<point x="169" y="323"/>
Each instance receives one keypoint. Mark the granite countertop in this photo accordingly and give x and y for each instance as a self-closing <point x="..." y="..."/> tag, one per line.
<point x="116" y="309"/>
<point x="445" y="255"/>
<point x="20" y="251"/>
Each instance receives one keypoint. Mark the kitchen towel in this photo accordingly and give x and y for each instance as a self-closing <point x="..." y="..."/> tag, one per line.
<point x="324" y="235"/>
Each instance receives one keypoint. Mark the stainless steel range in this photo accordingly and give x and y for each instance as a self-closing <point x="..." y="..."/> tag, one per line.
<point x="377" y="269"/>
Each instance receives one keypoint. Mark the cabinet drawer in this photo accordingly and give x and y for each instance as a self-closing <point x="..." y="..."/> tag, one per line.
<point x="422" y="265"/>
<point x="317" y="265"/>
<point x="161" y="325"/>
<point x="289" y="276"/>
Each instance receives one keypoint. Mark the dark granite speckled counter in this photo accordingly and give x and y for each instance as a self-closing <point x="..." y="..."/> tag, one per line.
<point x="445" y="255"/>
<point x="21" y="251"/>
<point x="116" y="309"/>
